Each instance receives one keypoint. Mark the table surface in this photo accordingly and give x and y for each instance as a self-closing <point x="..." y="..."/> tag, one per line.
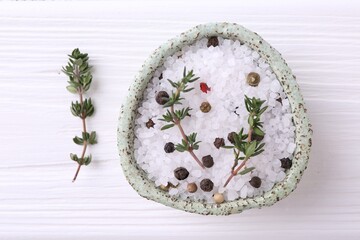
<point x="320" y="41"/>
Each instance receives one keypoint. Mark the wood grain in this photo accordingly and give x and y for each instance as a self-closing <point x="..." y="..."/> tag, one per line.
<point x="320" y="41"/>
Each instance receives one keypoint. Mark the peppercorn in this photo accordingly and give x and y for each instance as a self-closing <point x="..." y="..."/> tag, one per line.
<point x="219" y="142"/>
<point x="256" y="137"/>
<point x="167" y="187"/>
<point x="230" y="137"/>
<point x="181" y="173"/>
<point x="161" y="76"/>
<point x="192" y="187"/>
<point x="205" y="107"/>
<point x="255" y="182"/>
<point x="206" y="185"/>
<point x="208" y="161"/>
<point x="218" y="198"/>
<point x="213" y="41"/>
<point x="150" y="123"/>
<point x="253" y="79"/>
<point x="279" y="99"/>
<point x="162" y="97"/>
<point x="169" y="147"/>
<point x="286" y="163"/>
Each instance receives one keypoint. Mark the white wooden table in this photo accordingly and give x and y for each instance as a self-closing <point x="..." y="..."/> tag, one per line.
<point x="320" y="41"/>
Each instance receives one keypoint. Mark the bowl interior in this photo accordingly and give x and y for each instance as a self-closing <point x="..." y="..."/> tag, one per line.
<point x="138" y="178"/>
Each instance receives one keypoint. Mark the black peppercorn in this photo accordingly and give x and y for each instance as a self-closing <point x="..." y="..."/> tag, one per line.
<point x="279" y="99"/>
<point x="219" y="142"/>
<point x="162" y="97"/>
<point x="150" y="123"/>
<point x="169" y="147"/>
<point x="256" y="137"/>
<point x="255" y="182"/>
<point x="208" y="161"/>
<point x="161" y="76"/>
<point x="213" y="41"/>
<point x="206" y="185"/>
<point x="230" y="137"/>
<point x="181" y="173"/>
<point x="286" y="163"/>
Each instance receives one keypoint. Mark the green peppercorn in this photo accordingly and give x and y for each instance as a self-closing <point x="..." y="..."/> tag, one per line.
<point x="286" y="163"/>
<point x="205" y="107"/>
<point x="181" y="173"/>
<point x="255" y="182"/>
<point x="169" y="147"/>
<point x="208" y="161"/>
<point x="230" y="137"/>
<point x="219" y="142"/>
<point x="150" y="123"/>
<point x="213" y="41"/>
<point x="253" y="79"/>
<point x="206" y="185"/>
<point x="192" y="187"/>
<point x="162" y="97"/>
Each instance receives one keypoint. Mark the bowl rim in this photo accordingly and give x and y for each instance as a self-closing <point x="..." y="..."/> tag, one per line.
<point x="125" y="132"/>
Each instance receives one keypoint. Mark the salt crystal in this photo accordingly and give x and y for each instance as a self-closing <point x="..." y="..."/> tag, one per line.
<point x="291" y="147"/>
<point x="275" y="86"/>
<point x="232" y="195"/>
<point x="173" y="191"/>
<point x="281" y="175"/>
<point x="243" y="192"/>
<point x="196" y="173"/>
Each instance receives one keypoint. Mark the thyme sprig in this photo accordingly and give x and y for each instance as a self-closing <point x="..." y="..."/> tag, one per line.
<point x="244" y="147"/>
<point x="174" y="117"/>
<point x="191" y="143"/>
<point x="80" y="78"/>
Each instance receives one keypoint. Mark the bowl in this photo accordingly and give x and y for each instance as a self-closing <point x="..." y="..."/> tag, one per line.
<point x="137" y="177"/>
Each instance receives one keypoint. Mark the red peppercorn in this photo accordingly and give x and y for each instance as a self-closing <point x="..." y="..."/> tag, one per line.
<point x="204" y="87"/>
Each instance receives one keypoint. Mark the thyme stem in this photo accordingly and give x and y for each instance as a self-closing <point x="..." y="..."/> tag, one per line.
<point x="85" y="142"/>
<point x="236" y="171"/>
<point x="178" y="124"/>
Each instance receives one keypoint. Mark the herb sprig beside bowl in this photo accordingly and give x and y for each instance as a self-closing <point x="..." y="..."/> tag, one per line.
<point x="80" y="78"/>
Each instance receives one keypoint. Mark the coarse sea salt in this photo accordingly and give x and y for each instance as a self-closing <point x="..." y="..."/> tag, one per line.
<point x="224" y="69"/>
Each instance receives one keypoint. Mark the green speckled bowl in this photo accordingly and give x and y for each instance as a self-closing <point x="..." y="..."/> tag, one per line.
<point x="138" y="178"/>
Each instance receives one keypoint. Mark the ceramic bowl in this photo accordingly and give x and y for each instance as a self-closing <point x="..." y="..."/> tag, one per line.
<point x="125" y="138"/>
